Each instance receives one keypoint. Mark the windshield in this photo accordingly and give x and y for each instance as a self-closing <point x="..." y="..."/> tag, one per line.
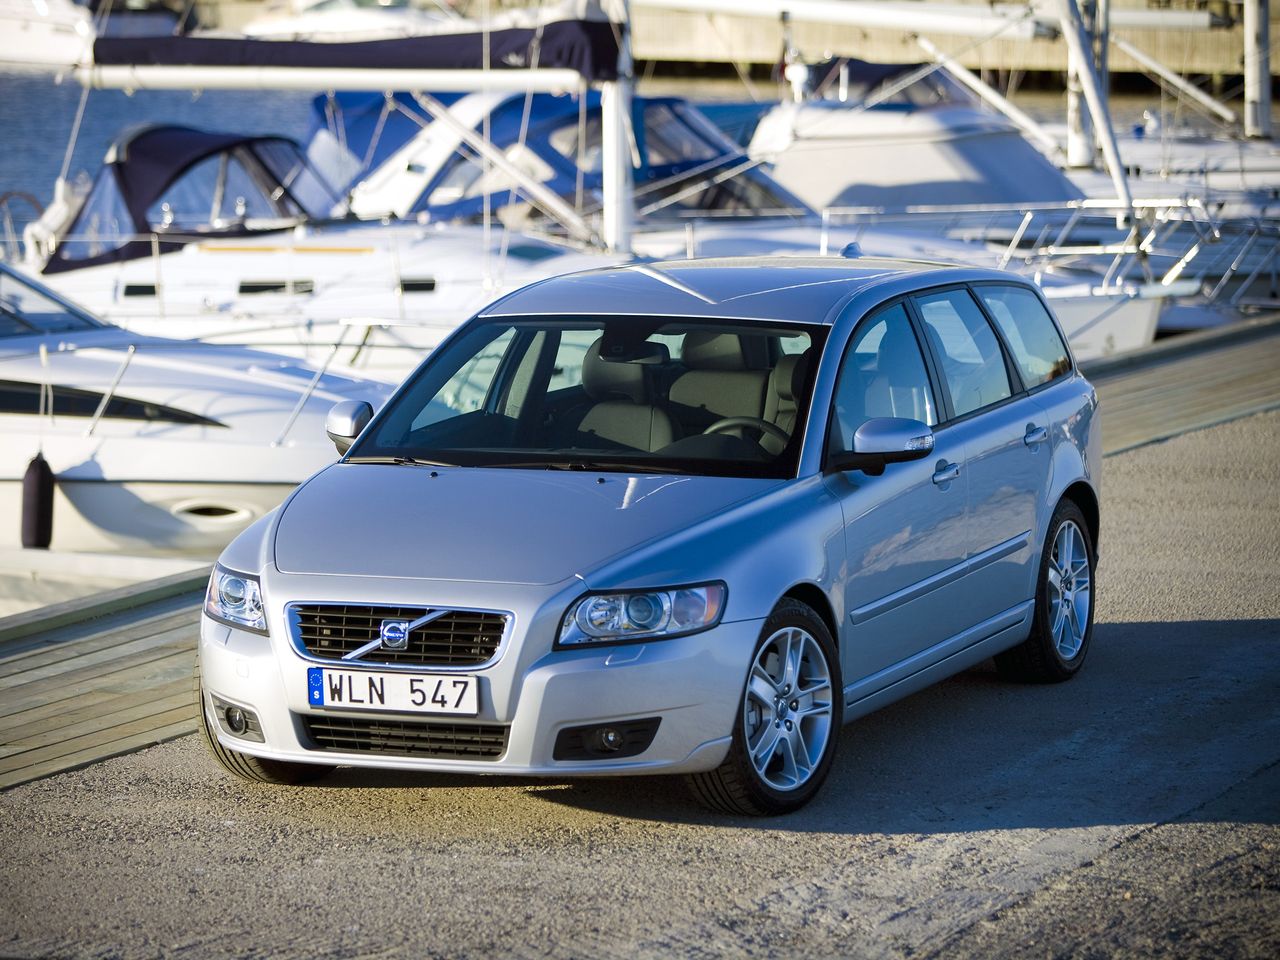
<point x="617" y="393"/>
<point x="26" y="309"/>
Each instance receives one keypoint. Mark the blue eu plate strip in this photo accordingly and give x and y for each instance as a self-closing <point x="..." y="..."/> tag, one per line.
<point x="315" y="686"/>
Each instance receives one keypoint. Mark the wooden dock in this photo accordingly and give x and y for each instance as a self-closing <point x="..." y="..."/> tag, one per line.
<point x="95" y="678"/>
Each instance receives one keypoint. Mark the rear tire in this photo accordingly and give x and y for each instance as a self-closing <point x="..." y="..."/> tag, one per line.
<point x="244" y="766"/>
<point x="1062" y="623"/>
<point x="788" y="722"/>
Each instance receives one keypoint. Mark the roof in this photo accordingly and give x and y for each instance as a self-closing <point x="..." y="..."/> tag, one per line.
<point x="796" y="289"/>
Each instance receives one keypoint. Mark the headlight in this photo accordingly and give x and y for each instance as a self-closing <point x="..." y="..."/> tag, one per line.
<point x="642" y="615"/>
<point x="235" y="599"/>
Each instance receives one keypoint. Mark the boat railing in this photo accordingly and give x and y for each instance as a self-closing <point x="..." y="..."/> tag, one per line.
<point x="1156" y="241"/>
<point x="47" y="409"/>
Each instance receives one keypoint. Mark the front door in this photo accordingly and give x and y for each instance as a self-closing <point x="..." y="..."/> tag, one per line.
<point x="904" y="539"/>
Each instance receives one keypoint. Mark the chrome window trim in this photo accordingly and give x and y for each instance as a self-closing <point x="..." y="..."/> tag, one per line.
<point x="295" y="640"/>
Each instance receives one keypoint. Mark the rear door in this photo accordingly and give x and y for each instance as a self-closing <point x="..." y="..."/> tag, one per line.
<point x="1005" y="433"/>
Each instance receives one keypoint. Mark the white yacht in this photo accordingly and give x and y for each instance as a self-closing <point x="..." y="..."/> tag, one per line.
<point x="158" y="446"/>
<point x="44" y="34"/>
<point x="344" y="20"/>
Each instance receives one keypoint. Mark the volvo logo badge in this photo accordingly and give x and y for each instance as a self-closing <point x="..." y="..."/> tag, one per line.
<point x="394" y="634"/>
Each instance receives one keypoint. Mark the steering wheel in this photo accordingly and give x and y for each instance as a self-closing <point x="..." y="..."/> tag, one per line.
<point x="755" y="423"/>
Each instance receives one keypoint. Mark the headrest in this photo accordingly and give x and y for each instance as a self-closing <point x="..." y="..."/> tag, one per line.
<point x="713" y="351"/>
<point x="789" y="375"/>
<point x="893" y="355"/>
<point x="611" y="380"/>
<point x="897" y="340"/>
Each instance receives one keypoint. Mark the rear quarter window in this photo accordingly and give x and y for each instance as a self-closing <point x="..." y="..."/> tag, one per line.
<point x="1037" y="348"/>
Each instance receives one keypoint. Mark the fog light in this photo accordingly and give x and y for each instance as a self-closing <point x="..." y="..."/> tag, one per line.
<point x="609" y="739"/>
<point x="613" y="741"/>
<point x="236" y="721"/>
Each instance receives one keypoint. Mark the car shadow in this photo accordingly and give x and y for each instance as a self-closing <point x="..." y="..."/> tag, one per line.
<point x="1164" y="717"/>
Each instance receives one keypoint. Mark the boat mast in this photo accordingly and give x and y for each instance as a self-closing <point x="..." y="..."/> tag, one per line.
<point x="615" y="132"/>
<point x="1082" y="148"/>
<point x="1078" y="46"/>
<point x="1257" y="69"/>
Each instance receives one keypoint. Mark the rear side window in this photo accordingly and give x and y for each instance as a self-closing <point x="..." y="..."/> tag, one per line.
<point x="1037" y="348"/>
<point x="972" y="362"/>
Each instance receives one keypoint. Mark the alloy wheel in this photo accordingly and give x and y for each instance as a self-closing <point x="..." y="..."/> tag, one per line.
<point x="1070" y="590"/>
<point x="787" y="710"/>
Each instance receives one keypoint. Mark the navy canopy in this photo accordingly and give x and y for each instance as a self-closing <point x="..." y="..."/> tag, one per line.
<point x="587" y="46"/>
<point x="112" y="223"/>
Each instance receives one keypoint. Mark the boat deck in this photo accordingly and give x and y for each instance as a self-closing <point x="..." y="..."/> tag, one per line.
<point x="95" y="678"/>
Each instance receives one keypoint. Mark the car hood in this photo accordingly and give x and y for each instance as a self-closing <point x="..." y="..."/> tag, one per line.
<point x="486" y="525"/>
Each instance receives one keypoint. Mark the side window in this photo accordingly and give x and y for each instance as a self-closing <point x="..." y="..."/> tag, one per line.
<point x="883" y="375"/>
<point x="467" y="389"/>
<point x="972" y="362"/>
<point x="1037" y="348"/>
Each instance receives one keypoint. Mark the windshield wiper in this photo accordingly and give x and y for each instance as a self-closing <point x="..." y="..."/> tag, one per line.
<point x="403" y="458"/>
<point x="583" y="466"/>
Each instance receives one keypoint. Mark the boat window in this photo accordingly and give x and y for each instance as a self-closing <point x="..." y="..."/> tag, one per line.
<point x="565" y="141"/>
<point x="25" y="310"/>
<point x="466" y="177"/>
<point x="972" y="361"/>
<point x="104" y="223"/>
<point x="670" y="140"/>
<point x="216" y="194"/>
<point x="1029" y="331"/>
<point x="24" y="398"/>
<point x="291" y="172"/>
<point x="728" y="190"/>
<point x="621" y="394"/>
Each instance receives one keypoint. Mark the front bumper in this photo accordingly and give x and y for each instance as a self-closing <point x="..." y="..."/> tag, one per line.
<point x="693" y="684"/>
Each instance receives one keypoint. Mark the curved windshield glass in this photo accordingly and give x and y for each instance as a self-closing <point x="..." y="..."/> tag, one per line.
<point x="26" y="308"/>
<point x="623" y="394"/>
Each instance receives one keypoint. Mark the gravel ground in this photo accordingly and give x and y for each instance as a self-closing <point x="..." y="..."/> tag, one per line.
<point x="1133" y="811"/>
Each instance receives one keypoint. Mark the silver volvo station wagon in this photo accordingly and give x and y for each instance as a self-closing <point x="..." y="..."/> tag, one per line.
<point x="681" y="517"/>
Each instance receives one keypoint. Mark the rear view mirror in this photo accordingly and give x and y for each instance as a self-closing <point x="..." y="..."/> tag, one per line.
<point x="345" y="421"/>
<point x="883" y="440"/>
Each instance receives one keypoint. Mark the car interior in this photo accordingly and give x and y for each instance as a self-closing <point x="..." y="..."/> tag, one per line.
<point x="670" y="390"/>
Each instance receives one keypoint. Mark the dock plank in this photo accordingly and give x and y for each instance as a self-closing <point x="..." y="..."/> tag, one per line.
<point x="84" y="758"/>
<point x="89" y="639"/>
<point x="173" y="666"/>
<point x="78" y="664"/>
<point x="34" y="724"/>
<point x="50" y="733"/>
<point x="105" y="738"/>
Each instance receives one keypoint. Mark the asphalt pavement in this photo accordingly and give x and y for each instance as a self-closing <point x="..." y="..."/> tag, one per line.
<point x="1132" y="811"/>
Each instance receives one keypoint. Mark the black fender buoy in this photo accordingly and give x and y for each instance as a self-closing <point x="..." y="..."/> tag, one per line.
<point x="37" y="504"/>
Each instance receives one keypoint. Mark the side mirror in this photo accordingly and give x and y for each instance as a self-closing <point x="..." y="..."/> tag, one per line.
<point x="345" y="421"/>
<point x="883" y="440"/>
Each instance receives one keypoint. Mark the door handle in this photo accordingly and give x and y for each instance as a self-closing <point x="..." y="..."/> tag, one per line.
<point x="946" y="472"/>
<point x="1035" y="435"/>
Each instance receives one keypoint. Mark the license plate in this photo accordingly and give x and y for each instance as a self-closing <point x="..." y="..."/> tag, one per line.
<point x="402" y="692"/>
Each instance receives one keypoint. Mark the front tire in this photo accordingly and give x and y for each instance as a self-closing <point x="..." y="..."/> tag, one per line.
<point x="244" y="766"/>
<point x="784" y="737"/>
<point x="1062" y="623"/>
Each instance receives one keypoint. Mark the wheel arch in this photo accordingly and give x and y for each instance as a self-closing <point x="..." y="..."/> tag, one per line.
<point x="1083" y="496"/>
<point x="813" y="596"/>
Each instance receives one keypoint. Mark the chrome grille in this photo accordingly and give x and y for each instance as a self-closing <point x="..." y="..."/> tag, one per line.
<point x="459" y="638"/>
<point x="406" y="738"/>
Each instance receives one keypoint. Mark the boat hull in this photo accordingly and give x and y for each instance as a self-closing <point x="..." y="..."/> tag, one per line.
<point x="144" y="518"/>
